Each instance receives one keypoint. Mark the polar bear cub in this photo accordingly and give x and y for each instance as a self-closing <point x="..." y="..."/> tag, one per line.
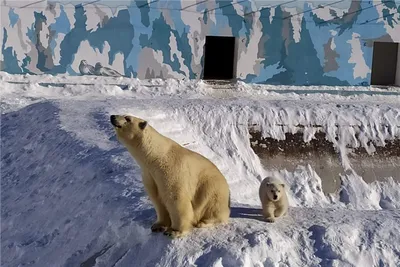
<point x="273" y="198"/>
<point x="186" y="189"/>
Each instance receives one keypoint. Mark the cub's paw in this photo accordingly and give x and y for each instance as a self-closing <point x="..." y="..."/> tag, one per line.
<point x="270" y="220"/>
<point x="157" y="227"/>
<point x="174" y="233"/>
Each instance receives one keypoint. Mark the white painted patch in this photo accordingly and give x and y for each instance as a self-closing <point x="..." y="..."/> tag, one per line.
<point x="44" y="35"/>
<point x="69" y="10"/>
<point x="57" y="48"/>
<point x="247" y="56"/>
<point x="174" y="51"/>
<point x="361" y="69"/>
<point x="194" y="20"/>
<point x="333" y="45"/>
<point x="324" y="12"/>
<point x="238" y="8"/>
<point x="13" y="40"/>
<point x="92" y="18"/>
<point x="296" y="20"/>
<point x="211" y="15"/>
<point x="272" y="14"/>
<point x="57" y="10"/>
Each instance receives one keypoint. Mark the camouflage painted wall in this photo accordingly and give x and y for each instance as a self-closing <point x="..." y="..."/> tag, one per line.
<point x="279" y="42"/>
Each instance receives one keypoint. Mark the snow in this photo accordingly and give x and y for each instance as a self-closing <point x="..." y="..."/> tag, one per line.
<point x="71" y="194"/>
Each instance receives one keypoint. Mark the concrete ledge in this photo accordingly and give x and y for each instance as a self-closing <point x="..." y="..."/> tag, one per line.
<point x="324" y="159"/>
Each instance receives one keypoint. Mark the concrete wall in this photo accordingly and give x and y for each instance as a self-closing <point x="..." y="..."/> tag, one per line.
<point x="279" y="42"/>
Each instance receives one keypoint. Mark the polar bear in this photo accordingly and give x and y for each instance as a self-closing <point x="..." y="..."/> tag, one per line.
<point x="186" y="189"/>
<point x="273" y="198"/>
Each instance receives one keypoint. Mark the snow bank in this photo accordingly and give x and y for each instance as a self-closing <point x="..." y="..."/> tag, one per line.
<point x="71" y="194"/>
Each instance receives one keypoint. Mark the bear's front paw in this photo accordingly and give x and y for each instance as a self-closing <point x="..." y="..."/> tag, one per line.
<point x="270" y="220"/>
<point x="174" y="233"/>
<point x="157" y="227"/>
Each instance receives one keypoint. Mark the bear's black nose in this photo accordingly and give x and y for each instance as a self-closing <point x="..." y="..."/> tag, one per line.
<point x="275" y="197"/>
<point x="113" y="120"/>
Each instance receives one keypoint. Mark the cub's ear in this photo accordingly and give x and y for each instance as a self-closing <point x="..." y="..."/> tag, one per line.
<point x="283" y="185"/>
<point x="142" y="125"/>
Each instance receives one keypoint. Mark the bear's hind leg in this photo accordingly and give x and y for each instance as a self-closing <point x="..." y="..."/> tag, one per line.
<point x="214" y="216"/>
<point x="211" y="207"/>
<point x="205" y="223"/>
<point x="181" y="213"/>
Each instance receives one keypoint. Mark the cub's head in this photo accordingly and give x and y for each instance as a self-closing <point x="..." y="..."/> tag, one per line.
<point x="128" y="128"/>
<point x="274" y="191"/>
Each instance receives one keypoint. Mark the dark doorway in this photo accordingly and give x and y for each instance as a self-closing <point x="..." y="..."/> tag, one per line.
<point x="384" y="63"/>
<point x="219" y="58"/>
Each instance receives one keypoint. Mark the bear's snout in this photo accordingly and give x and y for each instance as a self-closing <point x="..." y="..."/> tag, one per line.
<point x="114" y="121"/>
<point x="275" y="197"/>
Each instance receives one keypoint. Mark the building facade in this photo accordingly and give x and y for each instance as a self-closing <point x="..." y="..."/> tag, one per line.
<point x="290" y="42"/>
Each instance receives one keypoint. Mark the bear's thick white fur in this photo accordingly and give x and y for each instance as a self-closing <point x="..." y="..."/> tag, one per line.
<point x="273" y="198"/>
<point x="186" y="189"/>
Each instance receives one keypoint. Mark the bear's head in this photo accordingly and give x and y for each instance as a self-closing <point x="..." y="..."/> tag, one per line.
<point x="128" y="128"/>
<point x="274" y="191"/>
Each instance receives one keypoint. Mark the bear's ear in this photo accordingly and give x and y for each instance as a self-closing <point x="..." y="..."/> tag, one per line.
<point x="142" y="125"/>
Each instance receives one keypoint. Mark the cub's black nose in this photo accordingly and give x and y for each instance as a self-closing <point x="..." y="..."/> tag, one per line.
<point x="275" y="197"/>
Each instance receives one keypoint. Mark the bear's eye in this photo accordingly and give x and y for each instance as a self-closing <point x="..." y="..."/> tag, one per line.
<point x="128" y="119"/>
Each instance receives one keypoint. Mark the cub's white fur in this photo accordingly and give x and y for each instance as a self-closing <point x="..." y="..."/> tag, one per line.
<point x="273" y="198"/>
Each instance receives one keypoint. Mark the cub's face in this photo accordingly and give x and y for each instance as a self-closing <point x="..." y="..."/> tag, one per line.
<point x="274" y="191"/>
<point x="128" y="128"/>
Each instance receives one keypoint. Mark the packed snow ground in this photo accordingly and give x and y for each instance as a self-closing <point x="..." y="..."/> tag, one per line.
<point x="71" y="195"/>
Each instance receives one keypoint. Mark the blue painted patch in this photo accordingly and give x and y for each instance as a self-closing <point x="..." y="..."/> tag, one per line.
<point x="25" y="63"/>
<point x="266" y="74"/>
<point x="272" y="31"/>
<point x="160" y="36"/>
<point x="30" y="33"/>
<point x="144" y="8"/>
<point x="389" y="17"/>
<point x="69" y="46"/>
<point x="348" y="22"/>
<point x="310" y="71"/>
<point x="40" y="23"/>
<point x="62" y="24"/>
<point x="185" y="49"/>
<point x="235" y="21"/>
<point x="320" y="35"/>
<point x="13" y="17"/>
<point x="143" y="39"/>
<point x="119" y="39"/>
<point x="205" y="17"/>
<point x="132" y="60"/>
<point x="10" y="63"/>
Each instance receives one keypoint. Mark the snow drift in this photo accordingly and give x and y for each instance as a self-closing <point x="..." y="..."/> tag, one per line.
<point x="71" y="195"/>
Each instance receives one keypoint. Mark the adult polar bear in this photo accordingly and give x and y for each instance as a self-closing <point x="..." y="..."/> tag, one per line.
<point x="186" y="189"/>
